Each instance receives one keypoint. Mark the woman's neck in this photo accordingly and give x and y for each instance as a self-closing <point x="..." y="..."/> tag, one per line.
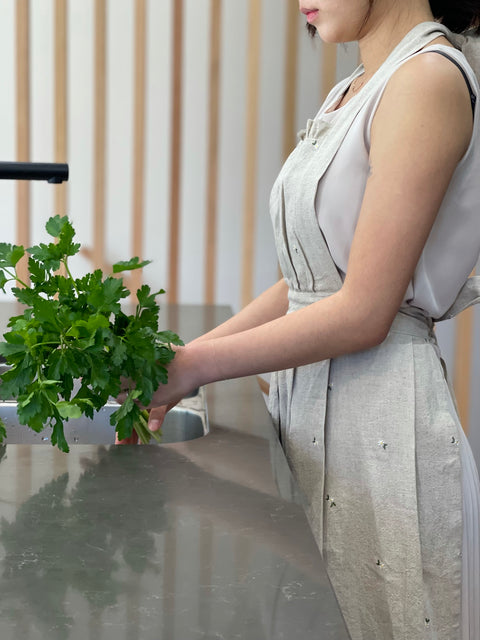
<point x="386" y="30"/>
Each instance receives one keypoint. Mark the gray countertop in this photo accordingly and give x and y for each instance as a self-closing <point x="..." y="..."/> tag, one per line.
<point x="204" y="539"/>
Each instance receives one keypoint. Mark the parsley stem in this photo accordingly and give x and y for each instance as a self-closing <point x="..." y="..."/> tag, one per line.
<point x="143" y="432"/>
<point x="65" y="263"/>
<point x="14" y="276"/>
<point x="44" y="344"/>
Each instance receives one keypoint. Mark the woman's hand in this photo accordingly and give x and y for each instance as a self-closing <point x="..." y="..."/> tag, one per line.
<point x="184" y="375"/>
<point x="155" y="421"/>
<point x="182" y="378"/>
<point x="157" y="416"/>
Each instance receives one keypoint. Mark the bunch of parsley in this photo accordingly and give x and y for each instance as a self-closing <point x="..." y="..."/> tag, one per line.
<point x="74" y="330"/>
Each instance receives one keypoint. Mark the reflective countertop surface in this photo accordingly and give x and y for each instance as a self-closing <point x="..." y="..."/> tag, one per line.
<point x="204" y="539"/>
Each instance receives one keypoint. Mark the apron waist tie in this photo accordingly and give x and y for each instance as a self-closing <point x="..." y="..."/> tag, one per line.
<point x="409" y="320"/>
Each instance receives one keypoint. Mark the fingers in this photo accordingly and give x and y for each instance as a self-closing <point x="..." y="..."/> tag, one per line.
<point x="156" y="417"/>
<point x="122" y="396"/>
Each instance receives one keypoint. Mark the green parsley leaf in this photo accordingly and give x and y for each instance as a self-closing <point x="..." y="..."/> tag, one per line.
<point x="68" y="410"/>
<point x="58" y="436"/>
<point x="10" y="254"/>
<point x="130" y="265"/>
<point x="55" y="225"/>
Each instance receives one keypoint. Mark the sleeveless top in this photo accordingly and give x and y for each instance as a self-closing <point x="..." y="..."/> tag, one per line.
<point x="453" y="246"/>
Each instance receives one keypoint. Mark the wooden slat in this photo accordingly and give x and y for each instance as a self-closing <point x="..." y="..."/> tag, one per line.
<point x="264" y="386"/>
<point x="290" y="82"/>
<point x="99" y="139"/>
<point x="138" y="138"/>
<point x="329" y="68"/>
<point x="290" y="85"/>
<point x="252" y="108"/>
<point x="23" y="126"/>
<point x="175" y="152"/>
<point x="212" y="159"/>
<point x="462" y="376"/>
<point x="60" y="99"/>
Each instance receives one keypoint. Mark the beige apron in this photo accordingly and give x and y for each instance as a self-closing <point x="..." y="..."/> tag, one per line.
<point x="370" y="436"/>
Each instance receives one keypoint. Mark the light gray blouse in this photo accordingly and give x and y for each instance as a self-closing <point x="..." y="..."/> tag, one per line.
<point x="453" y="247"/>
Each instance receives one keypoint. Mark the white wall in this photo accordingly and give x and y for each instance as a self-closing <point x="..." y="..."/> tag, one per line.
<point x="120" y="83"/>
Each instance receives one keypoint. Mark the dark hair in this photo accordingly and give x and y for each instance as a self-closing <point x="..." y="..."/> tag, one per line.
<point x="456" y="15"/>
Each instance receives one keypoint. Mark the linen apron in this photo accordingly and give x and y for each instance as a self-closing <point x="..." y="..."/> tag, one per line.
<point x="370" y="436"/>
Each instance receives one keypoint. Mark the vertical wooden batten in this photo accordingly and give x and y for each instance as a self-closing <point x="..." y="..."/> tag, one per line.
<point x="99" y="141"/>
<point x="289" y="93"/>
<point x="464" y="326"/>
<point x="329" y="68"/>
<point x="60" y="102"/>
<point x="290" y="86"/>
<point x="175" y="150"/>
<point x="212" y="160"/>
<point x="23" y="125"/>
<point x="252" y="108"/>
<point x="138" y="138"/>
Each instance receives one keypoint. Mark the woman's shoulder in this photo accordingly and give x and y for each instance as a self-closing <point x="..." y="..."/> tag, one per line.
<point x="429" y="88"/>
<point x="439" y="70"/>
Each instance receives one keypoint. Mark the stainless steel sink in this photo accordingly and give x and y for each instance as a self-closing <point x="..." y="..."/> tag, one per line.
<point x="186" y="421"/>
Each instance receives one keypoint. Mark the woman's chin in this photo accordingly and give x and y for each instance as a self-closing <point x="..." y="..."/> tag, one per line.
<point x="333" y="35"/>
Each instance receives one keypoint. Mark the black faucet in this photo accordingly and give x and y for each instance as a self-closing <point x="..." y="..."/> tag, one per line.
<point x="50" y="171"/>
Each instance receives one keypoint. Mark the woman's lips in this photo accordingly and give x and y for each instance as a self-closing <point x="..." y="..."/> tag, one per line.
<point x="310" y="14"/>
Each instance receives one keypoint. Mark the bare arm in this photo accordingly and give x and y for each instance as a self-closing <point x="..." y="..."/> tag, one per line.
<point x="271" y="304"/>
<point x="421" y="131"/>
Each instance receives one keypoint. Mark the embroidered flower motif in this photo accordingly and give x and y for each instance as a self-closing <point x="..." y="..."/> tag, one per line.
<point x="331" y="501"/>
<point x="382" y="444"/>
<point x="454" y="441"/>
<point x="380" y="564"/>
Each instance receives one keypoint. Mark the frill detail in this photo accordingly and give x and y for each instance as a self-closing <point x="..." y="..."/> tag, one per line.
<point x="314" y="130"/>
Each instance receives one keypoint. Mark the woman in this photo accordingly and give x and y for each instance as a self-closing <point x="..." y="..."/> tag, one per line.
<point x="375" y="215"/>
